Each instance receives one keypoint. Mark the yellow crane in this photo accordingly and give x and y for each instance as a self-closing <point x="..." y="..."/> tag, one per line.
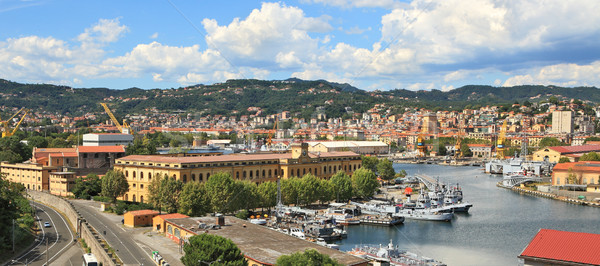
<point x="421" y="147"/>
<point x="5" y="124"/>
<point x="457" y="150"/>
<point x="500" y="148"/>
<point x="270" y="136"/>
<point x="125" y="128"/>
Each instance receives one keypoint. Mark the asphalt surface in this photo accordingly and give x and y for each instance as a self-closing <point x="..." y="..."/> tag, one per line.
<point x="55" y="243"/>
<point x="113" y="232"/>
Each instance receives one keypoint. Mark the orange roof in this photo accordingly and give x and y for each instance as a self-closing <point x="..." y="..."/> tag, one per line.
<point x="142" y="212"/>
<point x="171" y="216"/>
<point x="580" y="166"/>
<point x="54" y="150"/>
<point x="228" y="157"/>
<point x="564" y="246"/>
<point x="116" y="148"/>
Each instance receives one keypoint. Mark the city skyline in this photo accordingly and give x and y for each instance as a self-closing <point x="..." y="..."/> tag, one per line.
<point x="369" y="44"/>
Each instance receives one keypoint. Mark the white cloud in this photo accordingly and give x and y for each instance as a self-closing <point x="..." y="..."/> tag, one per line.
<point x="356" y="30"/>
<point x="272" y="30"/>
<point x="357" y="3"/>
<point x="154" y="36"/>
<point x="105" y="31"/>
<point x="447" y="87"/>
<point x="560" y="75"/>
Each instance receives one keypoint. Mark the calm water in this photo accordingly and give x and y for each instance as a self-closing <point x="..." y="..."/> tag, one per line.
<point x="496" y="230"/>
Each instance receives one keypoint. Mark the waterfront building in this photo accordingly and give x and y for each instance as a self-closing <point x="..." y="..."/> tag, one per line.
<point x="579" y="173"/>
<point x="33" y="176"/>
<point x="259" y="167"/>
<point x="139" y="218"/>
<point x="553" y="154"/>
<point x="553" y="247"/>
<point x="107" y="139"/>
<point x="481" y="150"/>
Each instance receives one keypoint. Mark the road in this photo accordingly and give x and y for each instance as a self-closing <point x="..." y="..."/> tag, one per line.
<point x="113" y="232"/>
<point x="57" y="240"/>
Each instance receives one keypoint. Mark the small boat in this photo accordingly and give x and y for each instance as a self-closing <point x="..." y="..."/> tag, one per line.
<point x="424" y="214"/>
<point x="297" y="232"/>
<point x="258" y="221"/>
<point x="392" y="255"/>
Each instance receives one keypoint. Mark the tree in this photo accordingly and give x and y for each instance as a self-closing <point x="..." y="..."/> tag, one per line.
<point x="325" y="191"/>
<point x="15" y="206"/>
<point x="564" y="160"/>
<point x="205" y="249"/>
<point x="364" y="183"/>
<point x="193" y="200"/>
<point x="549" y="142"/>
<point x="87" y="187"/>
<point x="114" y="185"/>
<point x="267" y="193"/>
<point x="370" y="162"/>
<point x="385" y="169"/>
<point x="170" y="189"/>
<point x="341" y="186"/>
<point x="308" y="257"/>
<point x="591" y="139"/>
<point x="591" y="156"/>
<point x="290" y="190"/>
<point x="37" y="141"/>
<point x="154" y="196"/>
<point x="220" y="189"/>
<point x="309" y="189"/>
<point x="466" y="152"/>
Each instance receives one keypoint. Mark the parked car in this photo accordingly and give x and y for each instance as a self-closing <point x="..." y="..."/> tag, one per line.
<point x="46" y="224"/>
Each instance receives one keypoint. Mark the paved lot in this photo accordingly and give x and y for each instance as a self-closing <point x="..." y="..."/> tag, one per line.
<point x="58" y="239"/>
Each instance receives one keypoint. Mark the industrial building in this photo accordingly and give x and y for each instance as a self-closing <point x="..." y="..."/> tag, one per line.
<point x="107" y="139"/>
<point x="360" y="147"/>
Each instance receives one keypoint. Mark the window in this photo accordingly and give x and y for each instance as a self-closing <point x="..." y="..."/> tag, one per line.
<point x="170" y="229"/>
<point x="257" y="173"/>
<point x="177" y="233"/>
<point x="237" y="175"/>
<point x="126" y="173"/>
<point x="142" y="197"/>
<point x="200" y="177"/>
<point x="133" y="174"/>
<point x="270" y="172"/>
<point x="207" y="176"/>
<point x="251" y="172"/>
<point x="184" y="179"/>
<point x="141" y="175"/>
<point x="133" y="185"/>
<point x="244" y="174"/>
<point x="141" y="186"/>
<point x="194" y="177"/>
<point x="264" y="173"/>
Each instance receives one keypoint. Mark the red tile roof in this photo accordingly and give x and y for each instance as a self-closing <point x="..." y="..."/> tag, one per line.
<point x="580" y="166"/>
<point x="576" y="149"/>
<point x="564" y="246"/>
<point x="227" y="158"/>
<point x="171" y="216"/>
<point x="116" y="148"/>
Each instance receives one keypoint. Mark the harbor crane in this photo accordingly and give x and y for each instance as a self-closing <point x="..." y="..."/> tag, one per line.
<point x="7" y="132"/>
<point x="270" y="136"/>
<point x="125" y="128"/>
<point x="500" y="143"/>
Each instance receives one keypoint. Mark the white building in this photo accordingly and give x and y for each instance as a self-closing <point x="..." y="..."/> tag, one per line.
<point x="107" y="139"/>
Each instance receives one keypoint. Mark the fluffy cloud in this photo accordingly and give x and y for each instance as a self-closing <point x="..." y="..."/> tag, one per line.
<point x="357" y="3"/>
<point x="561" y="75"/>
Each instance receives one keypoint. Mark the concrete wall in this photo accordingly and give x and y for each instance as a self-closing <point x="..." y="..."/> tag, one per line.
<point x="85" y="231"/>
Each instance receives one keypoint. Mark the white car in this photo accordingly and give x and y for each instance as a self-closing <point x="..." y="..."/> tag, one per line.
<point x="46" y="224"/>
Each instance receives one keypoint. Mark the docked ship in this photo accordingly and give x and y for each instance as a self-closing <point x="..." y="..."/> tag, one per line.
<point x="424" y="214"/>
<point x="392" y="255"/>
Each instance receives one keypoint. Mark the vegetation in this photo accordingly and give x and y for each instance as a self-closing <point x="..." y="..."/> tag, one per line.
<point x="114" y="185"/>
<point x="563" y="160"/>
<point x="15" y="207"/>
<point x="385" y="169"/>
<point x="364" y="183"/>
<point x="550" y="142"/>
<point x="592" y="156"/>
<point x="87" y="187"/>
<point x="204" y="249"/>
<point x="308" y="257"/>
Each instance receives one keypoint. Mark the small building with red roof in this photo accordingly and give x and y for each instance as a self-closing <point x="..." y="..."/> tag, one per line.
<point x="158" y="222"/>
<point x="553" y="247"/>
<point x="139" y="218"/>
<point x="582" y="173"/>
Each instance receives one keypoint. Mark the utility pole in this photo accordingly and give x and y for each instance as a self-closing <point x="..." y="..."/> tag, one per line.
<point x="46" y="251"/>
<point x="13" y="236"/>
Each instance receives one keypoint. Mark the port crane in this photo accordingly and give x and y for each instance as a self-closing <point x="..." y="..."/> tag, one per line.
<point x="270" y="136"/>
<point x="5" y="123"/>
<point x="457" y="151"/>
<point x="500" y="143"/>
<point x="125" y="128"/>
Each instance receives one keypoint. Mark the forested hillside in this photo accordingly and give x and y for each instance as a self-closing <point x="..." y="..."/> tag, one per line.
<point x="234" y="97"/>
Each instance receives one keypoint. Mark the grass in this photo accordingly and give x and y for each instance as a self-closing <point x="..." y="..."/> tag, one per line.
<point x="23" y="240"/>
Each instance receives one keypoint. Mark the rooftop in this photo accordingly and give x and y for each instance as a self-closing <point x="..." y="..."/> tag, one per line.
<point x="142" y="212"/>
<point x="563" y="246"/>
<point x="576" y="149"/>
<point x="261" y="243"/>
<point x="227" y="158"/>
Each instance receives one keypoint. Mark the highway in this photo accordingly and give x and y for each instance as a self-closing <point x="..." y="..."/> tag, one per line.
<point x="117" y="237"/>
<point x="54" y="244"/>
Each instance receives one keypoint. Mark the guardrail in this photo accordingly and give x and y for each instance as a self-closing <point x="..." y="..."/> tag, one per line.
<point x="84" y="230"/>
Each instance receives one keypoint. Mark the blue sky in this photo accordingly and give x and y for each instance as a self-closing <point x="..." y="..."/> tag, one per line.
<point x="371" y="44"/>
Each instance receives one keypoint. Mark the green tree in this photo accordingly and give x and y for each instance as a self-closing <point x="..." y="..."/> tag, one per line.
<point x="193" y="200"/>
<point x="370" y="162"/>
<point x="325" y="192"/>
<point x="37" y="141"/>
<point x="154" y="190"/>
<point x="220" y="189"/>
<point x="564" y="160"/>
<point x="385" y="169"/>
<point x="267" y="192"/>
<point x="205" y="249"/>
<point x="247" y="196"/>
<point x="114" y="185"/>
<point x="308" y="257"/>
<point x="464" y="149"/>
<point x="170" y="189"/>
<point x="309" y="189"/>
<point x="591" y="156"/>
<point x="341" y="186"/>
<point x="290" y="189"/>
<point x="14" y="206"/>
<point x="10" y="156"/>
<point x="591" y="139"/>
<point x="549" y="142"/>
<point x="87" y="187"/>
<point x="364" y="183"/>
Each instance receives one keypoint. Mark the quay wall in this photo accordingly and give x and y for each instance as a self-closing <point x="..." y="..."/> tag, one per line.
<point x="85" y="231"/>
<point x="551" y="196"/>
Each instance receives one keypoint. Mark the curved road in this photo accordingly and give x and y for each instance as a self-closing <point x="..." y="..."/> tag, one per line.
<point x="126" y="248"/>
<point x="58" y="240"/>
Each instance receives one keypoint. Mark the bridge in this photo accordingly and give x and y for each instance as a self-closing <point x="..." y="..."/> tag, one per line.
<point x="428" y="181"/>
<point x="513" y="181"/>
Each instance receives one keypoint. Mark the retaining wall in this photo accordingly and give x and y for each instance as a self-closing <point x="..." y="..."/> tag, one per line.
<point x="85" y="231"/>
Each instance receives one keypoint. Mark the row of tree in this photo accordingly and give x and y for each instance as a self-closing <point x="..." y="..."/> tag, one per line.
<point x="16" y="215"/>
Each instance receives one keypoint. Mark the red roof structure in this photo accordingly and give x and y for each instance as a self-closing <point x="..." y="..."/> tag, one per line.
<point x="562" y="247"/>
<point x="576" y="149"/>
<point x="100" y="149"/>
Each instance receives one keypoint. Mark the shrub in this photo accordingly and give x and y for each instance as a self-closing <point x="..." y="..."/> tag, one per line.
<point x="243" y="214"/>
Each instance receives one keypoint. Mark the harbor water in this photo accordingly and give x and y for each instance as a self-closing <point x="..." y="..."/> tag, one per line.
<point x="494" y="232"/>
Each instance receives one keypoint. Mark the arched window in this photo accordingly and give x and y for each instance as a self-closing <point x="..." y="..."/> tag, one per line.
<point x="126" y="173"/>
<point x="345" y="168"/>
<point x="142" y="199"/>
<point x="330" y="169"/>
<point x="251" y="173"/>
<point x="298" y="172"/>
<point x="244" y="174"/>
<point x="335" y="168"/>
<point x="263" y="175"/>
<point x="141" y="175"/>
<point x="133" y="174"/>
<point x="200" y="177"/>
<point x="270" y="172"/>
<point x="170" y="229"/>
<point x="207" y="176"/>
<point x="133" y="197"/>
<point x="303" y="171"/>
<point x="126" y="197"/>
<point x="237" y="175"/>
<point x="324" y="169"/>
<point x="257" y="173"/>
<point x="184" y="179"/>
<point x="174" y="177"/>
<point x="194" y="177"/>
